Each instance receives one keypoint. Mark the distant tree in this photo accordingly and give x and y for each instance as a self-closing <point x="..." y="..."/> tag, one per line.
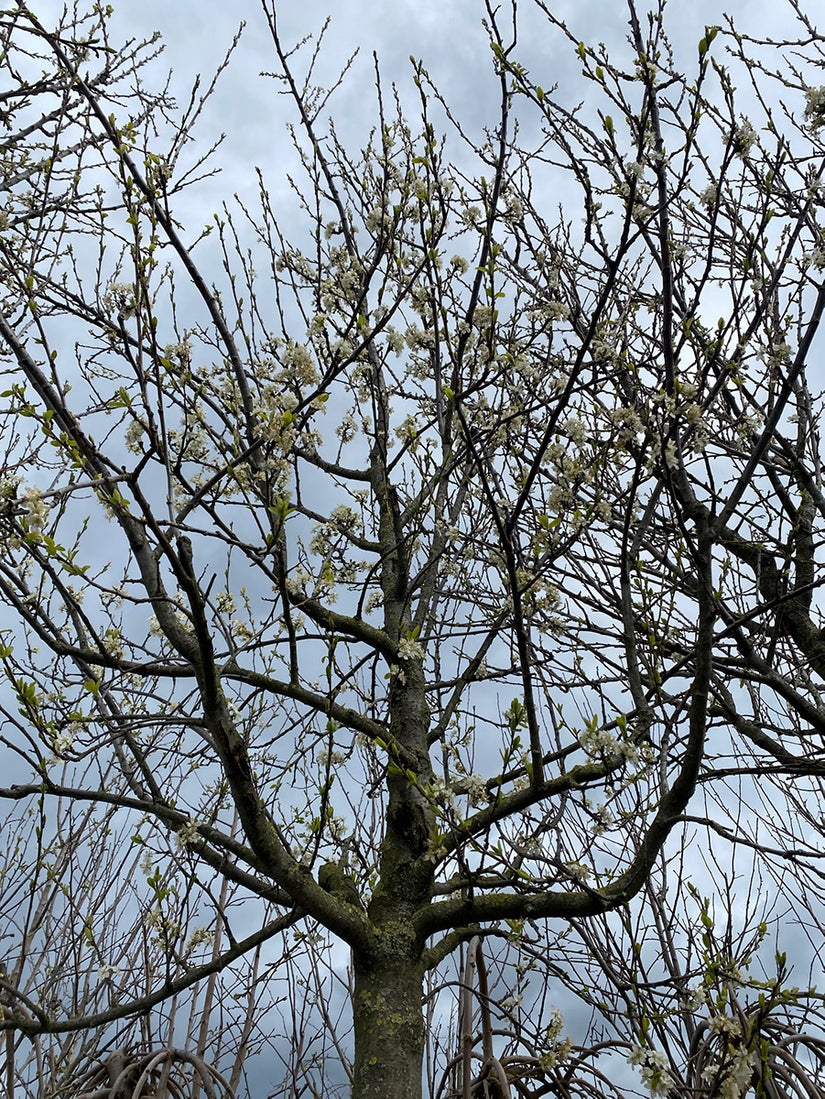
<point x="421" y="576"/>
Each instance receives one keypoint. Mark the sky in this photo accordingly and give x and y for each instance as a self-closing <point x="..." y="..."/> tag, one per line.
<point x="447" y="35"/>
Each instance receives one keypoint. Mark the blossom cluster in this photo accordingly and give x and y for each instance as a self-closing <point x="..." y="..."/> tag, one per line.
<point x="579" y="871"/>
<point x="62" y="743"/>
<point x="187" y="834"/>
<point x="200" y="936"/>
<point x="654" y="1067"/>
<point x="36" y="511"/>
<point x="409" y="649"/>
<point x="815" y="107"/>
<point x="557" y="1048"/>
<point x="120" y="299"/>
<point x="167" y="927"/>
<point x="709" y="196"/>
<point x="744" y="138"/>
<point x="599" y="740"/>
<point x="736" y="1075"/>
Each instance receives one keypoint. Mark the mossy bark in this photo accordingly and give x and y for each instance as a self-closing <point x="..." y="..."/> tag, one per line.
<point x="389" y="1020"/>
<point x="389" y="976"/>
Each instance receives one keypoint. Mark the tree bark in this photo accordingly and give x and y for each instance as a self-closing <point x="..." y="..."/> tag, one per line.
<point x="389" y="972"/>
<point x="389" y="1019"/>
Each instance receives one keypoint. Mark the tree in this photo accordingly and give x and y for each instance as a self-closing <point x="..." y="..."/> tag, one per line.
<point x="419" y="589"/>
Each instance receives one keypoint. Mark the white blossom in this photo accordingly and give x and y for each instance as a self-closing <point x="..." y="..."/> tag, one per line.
<point x="63" y="742"/>
<point x="738" y="1074"/>
<point x="476" y="786"/>
<point x="199" y="936"/>
<point x="602" y="350"/>
<point x="225" y="602"/>
<point x="347" y="429"/>
<point x="167" y="926"/>
<point x="815" y="107"/>
<point x="654" y="1067"/>
<point x="37" y="510"/>
<point x="558" y="1048"/>
<point x="709" y="195"/>
<point x="398" y="673"/>
<point x="179" y="354"/>
<point x="302" y="366"/>
<point x="686" y="388"/>
<point x="344" y="518"/>
<point x="671" y="454"/>
<point x="575" y="429"/>
<point x="694" y="998"/>
<point x="776" y="353"/>
<point x="598" y="741"/>
<point x="441" y="792"/>
<point x="628" y="421"/>
<point x="378" y="219"/>
<point x="604" y="819"/>
<point x="395" y="341"/>
<point x="188" y="834"/>
<point x="579" y="871"/>
<point x="134" y="437"/>
<point x="409" y="649"/>
<point x="744" y="138"/>
<point x="120" y="299"/>
<point x="723" y="1024"/>
<point x="334" y="757"/>
<point x="514" y="209"/>
<point x="471" y="216"/>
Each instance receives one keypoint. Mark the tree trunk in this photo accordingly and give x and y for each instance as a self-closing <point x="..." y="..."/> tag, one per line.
<point x="389" y="976"/>
<point x="389" y="1021"/>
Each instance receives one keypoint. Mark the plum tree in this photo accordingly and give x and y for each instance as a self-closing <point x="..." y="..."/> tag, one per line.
<point x="418" y="568"/>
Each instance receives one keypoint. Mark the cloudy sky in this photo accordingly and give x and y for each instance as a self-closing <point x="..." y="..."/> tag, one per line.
<point x="447" y="35"/>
